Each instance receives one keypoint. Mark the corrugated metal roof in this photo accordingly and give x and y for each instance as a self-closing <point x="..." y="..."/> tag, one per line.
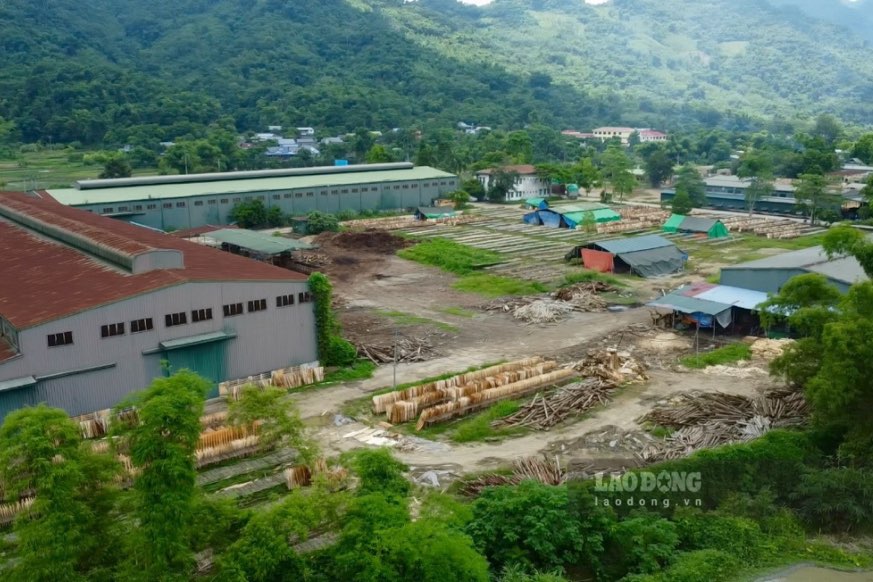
<point x="578" y="207"/>
<point x="74" y="197"/>
<point x="194" y="340"/>
<point x="637" y="243"/>
<point x="742" y="298"/>
<point x="257" y="241"/>
<point x="678" y="302"/>
<point x="16" y="383"/>
<point x="44" y="279"/>
<point x="813" y="259"/>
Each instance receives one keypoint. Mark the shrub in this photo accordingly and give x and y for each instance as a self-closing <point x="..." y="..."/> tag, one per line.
<point x="709" y="565"/>
<point x="643" y="544"/>
<point x="340" y="352"/>
<point x="836" y="499"/>
<point x="317" y="222"/>
<point x="725" y="355"/>
<point x="738" y="536"/>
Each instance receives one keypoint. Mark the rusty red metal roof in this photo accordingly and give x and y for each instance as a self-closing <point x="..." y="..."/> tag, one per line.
<point x="43" y="279"/>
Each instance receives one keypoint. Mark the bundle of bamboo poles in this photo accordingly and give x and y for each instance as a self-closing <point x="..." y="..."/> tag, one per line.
<point x="291" y="377"/>
<point x="403" y="411"/>
<point x="229" y="450"/>
<point x="213" y="438"/>
<point x="8" y="511"/>
<point x="213" y="420"/>
<point x="382" y="401"/>
<point x="467" y="404"/>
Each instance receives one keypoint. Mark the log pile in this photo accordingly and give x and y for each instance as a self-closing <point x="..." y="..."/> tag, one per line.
<point x="612" y="366"/>
<point x="302" y="475"/>
<point x="544" y="412"/>
<point x="634" y="218"/>
<point x="408" y="350"/>
<point x="544" y="311"/>
<point x="548" y="472"/>
<point x="708" y="420"/>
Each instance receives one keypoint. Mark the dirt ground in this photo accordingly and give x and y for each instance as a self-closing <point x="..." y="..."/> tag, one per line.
<point x="376" y="281"/>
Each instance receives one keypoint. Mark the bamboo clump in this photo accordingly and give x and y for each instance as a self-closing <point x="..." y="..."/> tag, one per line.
<point x="382" y="401"/>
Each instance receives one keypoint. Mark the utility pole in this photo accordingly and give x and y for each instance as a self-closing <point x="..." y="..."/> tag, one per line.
<point x="395" y="359"/>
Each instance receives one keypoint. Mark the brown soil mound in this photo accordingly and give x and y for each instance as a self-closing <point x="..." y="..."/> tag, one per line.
<point x="374" y="241"/>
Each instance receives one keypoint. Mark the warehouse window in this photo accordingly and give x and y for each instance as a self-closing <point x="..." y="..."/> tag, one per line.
<point x="310" y="193"/>
<point x="406" y="186"/>
<point x="122" y="208"/>
<point x="277" y="196"/>
<point x="224" y="200"/>
<point x="137" y="207"/>
<point x="151" y="206"/>
<point x="236" y="200"/>
<point x="173" y="319"/>
<point x="346" y="191"/>
<point x="138" y="325"/>
<point x="180" y="205"/>
<point x="112" y="329"/>
<point x="298" y="195"/>
<point x="305" y="297"/>
<point x="354" y="189"/>
<point x="201" y="314"/>
<point x="232" y="309"/>
<point x="106" y="210"/>
<point x="257" y="305"/>
<point x="60" y="339"/>
<point x="198" y="203"/>
<point x="442" y="183"/>
<point x="288" y="195"/>
<point x="212" y="201"/>
<point x="285" y="300"/>
<point x="261" y="197"/>
<point x="168" y="204"/>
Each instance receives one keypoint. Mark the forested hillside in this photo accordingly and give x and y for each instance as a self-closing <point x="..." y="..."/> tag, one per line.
<point x="119" y="71"/>
<point x="856" y="15"/>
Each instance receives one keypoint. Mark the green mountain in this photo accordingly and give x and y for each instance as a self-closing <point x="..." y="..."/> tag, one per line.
<point x="856" y="15"/>
<point x="120" y="71"/>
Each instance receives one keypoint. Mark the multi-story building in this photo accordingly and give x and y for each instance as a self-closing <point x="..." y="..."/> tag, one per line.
<point x="190" y="201"/>
<point x="93" y="308"/>
<point x="527" y="185"/>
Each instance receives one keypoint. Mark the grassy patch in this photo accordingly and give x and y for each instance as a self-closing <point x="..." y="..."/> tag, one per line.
<point x="587" y="276"/>
<point x="457" y="311"/>
<point x="659" y="431"/>
<point x="360" y="370"/>
<point x="401" y="318"/>
<point x="496" y="286"/>
<point x="725" y="355"/>
<point x="714" y="278"/>
<point x="450" y="256"/>
<point x="476" y="427"/>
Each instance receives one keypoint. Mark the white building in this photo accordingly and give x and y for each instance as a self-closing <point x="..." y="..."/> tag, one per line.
<point x="528" y="185"/>
<point x="605" y="133"/>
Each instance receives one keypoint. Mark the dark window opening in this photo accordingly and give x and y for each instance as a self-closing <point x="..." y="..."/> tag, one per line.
<point x="138" y="325"/>
<point x="233" y="309"/>
<point x="201" y="314"/>
<point x="173" y="319"/>
<point x="60" y="339"/>
<point x="257" y="305"/>
<point x="112" y="329"/>
<point x="285" y="300"/>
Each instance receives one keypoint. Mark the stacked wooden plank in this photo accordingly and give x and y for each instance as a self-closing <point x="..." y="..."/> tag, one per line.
<point x="291" y="377"/>
<point x="544" y="470"/>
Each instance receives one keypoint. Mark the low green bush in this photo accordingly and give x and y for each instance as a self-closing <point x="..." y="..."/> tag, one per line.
<point x="450" y="256"/>
<point x="726" y="355"/>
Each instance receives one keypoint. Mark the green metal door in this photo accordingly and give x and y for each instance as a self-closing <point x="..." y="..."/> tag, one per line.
<point x="207" y="360"/>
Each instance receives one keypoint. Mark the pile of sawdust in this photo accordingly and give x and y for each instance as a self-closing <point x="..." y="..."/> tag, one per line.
<point x="769" y="349"/>
<point x="665" y="342"/>
<point x="372" y="240"/>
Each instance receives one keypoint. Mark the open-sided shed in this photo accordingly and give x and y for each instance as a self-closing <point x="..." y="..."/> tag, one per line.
<point x="711" y="227"/>
<point x="706" y="304"/>
<point x="646" y="256"/>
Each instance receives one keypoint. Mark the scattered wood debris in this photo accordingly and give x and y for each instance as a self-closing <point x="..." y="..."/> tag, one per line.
<point x="549" y="472"/>
<point x="409" y="349"/>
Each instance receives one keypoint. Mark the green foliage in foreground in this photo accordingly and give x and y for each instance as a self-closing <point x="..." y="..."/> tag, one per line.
<point x="724" y="355"/>
<point x="497" y="286"/>
<point x="450" y="256"/>
<point x="360" y="370"/>
<point x="333" y="350"/>
<point x="478" y="426"/>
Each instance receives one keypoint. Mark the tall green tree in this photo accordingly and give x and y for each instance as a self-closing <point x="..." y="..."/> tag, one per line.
<point x="333" y="350"/>
<point x="659" y="167"/>
<point x="681" y="203"/>
<point x="501" y="183"/>
<point x="279" y="422"/>
<point x="814" y="194"/>
<point x="587" y="175"/>
<point x="862" y="149"/>
<point x="161" y="443"/>
<point x="116" y="166"/>
<point x="68" y="533"/>
<point x="379" y="154"/>
<point x="759" y="187"/>
<point x="689" y="181"/>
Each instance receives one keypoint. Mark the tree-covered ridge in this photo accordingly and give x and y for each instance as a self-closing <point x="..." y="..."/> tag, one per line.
<point x="744" y="55"/>
<point x="140" y="72"/>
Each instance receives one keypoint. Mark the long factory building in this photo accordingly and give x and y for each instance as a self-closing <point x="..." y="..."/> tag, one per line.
<point x="193" y="200"/>
<point x="93" y="308"/>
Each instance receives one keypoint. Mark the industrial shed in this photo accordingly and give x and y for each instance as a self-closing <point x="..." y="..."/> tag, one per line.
<point x="768" y="275"/>
<point x="705" y="305"/>
<point x="646" y="256"/>
<point x="92" y="309"/>
<point x="570" y="216"/>
<point x="193" y="200"/>
<point x="711" y="227"/>
<point x="260" y="246"/>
